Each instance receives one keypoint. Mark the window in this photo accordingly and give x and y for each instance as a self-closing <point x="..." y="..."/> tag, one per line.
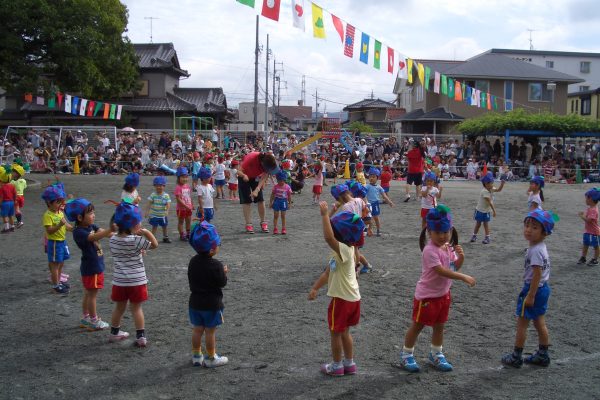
<point x="484" y="86"/>
<point x="419" y="94"/>
<point x="584" y="88"/>
<point x="508" y="95"/>
<point x="584" y="67"/>
<point x="549" y="64"/>
<point x="586" y="106"/>
<point x="539" y="92"/>
<point x="245" y="110"/>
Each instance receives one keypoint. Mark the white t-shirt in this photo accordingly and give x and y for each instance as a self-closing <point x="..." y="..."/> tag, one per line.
<point x="537" y="255"/>
<point x="220" y="172"/>
<point x="429" y="201"/>
<point x="206" y="193"/>
<point x="482" y="205"/>
<point x="129" y="196"/>
<point x="534" y="198"/>
<point x="233" y="178"/>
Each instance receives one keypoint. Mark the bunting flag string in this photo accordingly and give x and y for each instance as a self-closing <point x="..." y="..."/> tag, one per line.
<point x="76" y="105"/>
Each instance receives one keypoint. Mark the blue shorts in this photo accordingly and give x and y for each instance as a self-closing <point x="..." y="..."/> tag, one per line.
<point x="540" y="304"/>
<point x="386" y="189"/>
<point x="207" y="319"/>
<point x="590" y="240"/>
<point x="209" y="214"/>
<point x="219" y="182"/>
<point x="158" y="221"/>
<point x="375" y="209"/>
<point x="7" y="209"/>
<point x="280" y="204"/>
<point x="482" y="217"/>
<point x="58" y="251"/>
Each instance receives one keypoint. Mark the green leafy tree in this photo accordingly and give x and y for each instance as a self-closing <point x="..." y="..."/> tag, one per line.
<point x="75" y="45"/>
<point x="362" y="127"/>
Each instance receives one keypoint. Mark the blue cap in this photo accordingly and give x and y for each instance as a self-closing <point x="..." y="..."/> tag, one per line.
<point x="431" y="176"/>
<point x="133" y="179"/>
<point x="127" y="215"/>
<point x="204" y="173"/>
<point x="439" y="219"/>
<point x="273" y="171"/>
<point x="159" y="180"/>
<point x="348" y="226"/>
<point x="358" y="190"/>
<point x="374" y="171"/>
<point x="75" y="208"/>
<point x="487" y="178"/>
<point x="281" y="175"/>
<point x="54" y="192"/>
<point x="546" y="218"/>
<point x="593" y="194"/>
<point x="337" y="190"/>
<point x="181" y="171"/>
<point x="538" y="180"/>
<point x="204" y="237"/>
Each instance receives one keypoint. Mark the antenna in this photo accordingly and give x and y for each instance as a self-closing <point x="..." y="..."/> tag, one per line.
<point x="531" y="38"/>
<point x="151" y="19"/>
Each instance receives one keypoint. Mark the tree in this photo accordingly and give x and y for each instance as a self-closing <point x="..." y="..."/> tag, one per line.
<point x="76" y="45"/>
<point x="362" y="127"/>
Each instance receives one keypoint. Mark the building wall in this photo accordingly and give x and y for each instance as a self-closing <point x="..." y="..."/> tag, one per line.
<point x="153" y="121"/>
<point x="574" y="106"/>
<point x="246" y="112"/>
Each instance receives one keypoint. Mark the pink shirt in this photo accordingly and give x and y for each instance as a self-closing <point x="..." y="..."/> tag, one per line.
<point x="355" y="206"/>
<point x="319" y="178"/>
<point x="185" y="192"/>
<point x="431" y="284"/>
<point x="282" y="192"/>
<point x="592" y="227"/>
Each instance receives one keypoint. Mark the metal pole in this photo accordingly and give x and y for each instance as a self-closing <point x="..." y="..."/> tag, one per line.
<point x="255" y="108"/>
<point x="266" y="126"/>
<point x="273" y="106"/>
<point x="278" y="100"/>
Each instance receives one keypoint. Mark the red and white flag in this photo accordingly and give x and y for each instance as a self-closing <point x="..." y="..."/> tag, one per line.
<point x="339" y="26"/>
<point x="390" y="60"/>
<point x="271" y="9"/>
<point x="349" y="41"/>
<point x="402" y="69"/>
<point x="298" y="14"/>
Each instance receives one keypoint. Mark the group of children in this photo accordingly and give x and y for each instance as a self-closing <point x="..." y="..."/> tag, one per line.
<point x="12" y="199"/>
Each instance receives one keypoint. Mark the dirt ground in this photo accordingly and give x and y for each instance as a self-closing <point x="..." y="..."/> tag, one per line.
<point x="274" y="337"/>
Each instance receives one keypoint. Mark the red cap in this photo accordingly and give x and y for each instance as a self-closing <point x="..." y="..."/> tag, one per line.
<point x="359" y="165"/>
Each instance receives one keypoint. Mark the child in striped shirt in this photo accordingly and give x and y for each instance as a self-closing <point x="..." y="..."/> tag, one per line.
<point x="158" y="206"/>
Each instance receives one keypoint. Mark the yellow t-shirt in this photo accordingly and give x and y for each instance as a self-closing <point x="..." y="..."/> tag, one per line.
<point x="20" y="185"/>
<point x="51" y="218"/>
<point x="342" y="281"/>
<point x="360" y="177"/>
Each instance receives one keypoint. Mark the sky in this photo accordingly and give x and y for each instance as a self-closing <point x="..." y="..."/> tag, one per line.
<point x="215" y="39"/>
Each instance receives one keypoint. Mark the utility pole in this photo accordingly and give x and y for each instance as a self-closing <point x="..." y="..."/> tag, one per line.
<point x="316" y="104"/>
<point x="274" y="78"/>
<point x="256" y="51"/>
<point x="151" y="19"/>
<point x="303" y="94"/>
<point x="531" y="38"/>
<point x="266" y="127"/>
<point x="278" y="99"/>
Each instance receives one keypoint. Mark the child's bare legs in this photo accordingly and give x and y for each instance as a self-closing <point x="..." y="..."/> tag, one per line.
<point x="117" y="314"/>
<point x="477" y="226"/>
<point x="210" y="341"/>
<point x="138" y="315"/>
<point x="486" y="228"/>
<point x="283" y="220"/>
<point x="275" y="218"/>
<point x="423" y="223"/>
<point x="54" y="273"/>
<point x="88" y="304"/>
<point x="596" y="252"/>
<point x="341" y="345"/>
<point x="197" y="333"/>
<point x="188" y="225"/>
<point x="155" y="228"/>
<point x="180" y="226"/>
<point x="437" y="336"/>
<point x="542" y="330"/>
<point x="377" y="223"/>
<point x="412" y="334"/>
<point x="164" y="229"/>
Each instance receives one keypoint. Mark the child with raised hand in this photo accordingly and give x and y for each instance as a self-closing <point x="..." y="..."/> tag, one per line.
<point x="281" y="197"/>
<point x="55" y="226"/>
<point x="129" y="276"/>
<point x="8" y="199"/>
<point x="341" y="233"/>
<point x="207" y="277"/>
<point x="535" y="192"/>
<point x="206" y="194"/>
<point x="485" y="208"/>
<point x="430" y="193"/>
<point x="20" y="184"/>
<point x="532" y="302"/>
<point x="431" y="303"/>
<point x="130" y="193"/>
<point x="183" y="194"/>
<point x="158" y="207"/>
<point x="592" y="229"/>
<point x="87" y="236"/>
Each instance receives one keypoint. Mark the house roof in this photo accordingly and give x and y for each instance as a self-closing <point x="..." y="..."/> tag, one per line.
<point x="204" y="99"/>
<point x="584" y="93"/>
<point x="544" y="53"/>
<point x="369" y="103"/>
<point x="294" y="113"/>
<point x="441" y="66"/>
<point x="411" y="116"/>
<point x="158" y="56"/>
<point x="440" y="114"/>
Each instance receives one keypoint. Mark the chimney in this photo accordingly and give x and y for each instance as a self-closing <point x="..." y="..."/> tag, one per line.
<point x="300" y="103"/>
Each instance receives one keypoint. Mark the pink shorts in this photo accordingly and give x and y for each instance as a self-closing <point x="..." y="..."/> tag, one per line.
<point x="185" y="213"/>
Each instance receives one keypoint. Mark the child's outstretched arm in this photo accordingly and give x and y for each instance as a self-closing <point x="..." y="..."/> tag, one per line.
<point x="327" y="229"/>
<point x="271" y="199"/>
<point x="459" y="276"/>
<point x="100" y="234"/>
<point x="439" y="193"/>
<point x="491" y="204"/>
<point x="499" y="189"/>
<point x="387" y="199"/>
<point x="150" y="237"/>
<point x="318" y="284"/>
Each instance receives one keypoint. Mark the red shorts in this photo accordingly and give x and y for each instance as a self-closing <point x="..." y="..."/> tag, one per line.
<point x="342" y="314"/>
<point x="424" y="212"/>
<point x="317" y="189"/>
<point x="135" y="294"/>
<point x="185" y="213"/>
<point x="232" y="186"/>
<point x="432" y="311"/>
<point x="93" y="281"/>
<point x="20" y="201"/>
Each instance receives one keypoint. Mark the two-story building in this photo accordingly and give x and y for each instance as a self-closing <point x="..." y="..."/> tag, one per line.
<point x="585" y="104"/>
<point x="372" y="112"/>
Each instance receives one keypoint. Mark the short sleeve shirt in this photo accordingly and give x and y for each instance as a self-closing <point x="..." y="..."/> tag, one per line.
<point x="206" y="193"/>
<point x="342" y="281"/>
<point x="374" y="193"/>
<point x="592" y="227"/>
<point x="534" y="198"/>
<point x="537" y="256"/>
<point x="428" y="202"/>
<point x="130" y="197"/>
<point x="185" y="192"/>
<point x="483" y="205"/>
<point x="282" y="192"/>
<point x="233" y="175"/>
<point x="158" y="205"/>
<point x="220" y="172"/>
<point x="92" y="257"/>
<point x="20" y="186"/>
<point x="431" y="284"/>
<point x="52" y="219"/>
<point x="127" y="257"/>
<point x="251" y="165"/>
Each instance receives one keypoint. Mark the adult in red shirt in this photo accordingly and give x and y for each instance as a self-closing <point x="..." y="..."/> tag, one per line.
<point x="416" y="167"/>
<point x="253" y="173"/>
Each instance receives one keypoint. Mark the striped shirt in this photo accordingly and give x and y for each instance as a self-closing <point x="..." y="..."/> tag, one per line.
<point x="127" y="256"/>
<point x="158" y="205"/>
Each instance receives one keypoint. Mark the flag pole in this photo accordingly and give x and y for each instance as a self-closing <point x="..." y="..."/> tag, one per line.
<point x="266" y="126"/>
<point x="256" y="51"/>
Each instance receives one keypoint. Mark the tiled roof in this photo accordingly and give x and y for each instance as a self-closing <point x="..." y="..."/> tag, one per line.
<point x="158" y="56"/>
<point x="204" y="99"/>
<point x="440" y="114"/>
<point x="584" y="93"/>
<point x="544" y="53"/>
<point x="411" y="116"/>
<point x="441" y="66"/>
<point x="293" y="113"/>
<point x="369" y="103"/>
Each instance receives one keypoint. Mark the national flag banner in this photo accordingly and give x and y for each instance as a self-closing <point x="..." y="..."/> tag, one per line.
<point x="83" y="107"/>
<point x="478" y="97"/>
<point x="377" y="55"/>
<point x="349" y="41"/>
<point x="28" y="97"/>
<point x="318" y="22"/>
<point x="483" y="102"/>
<point x="113" y="110"/>
<point x="52" y="101"/>
<point x="474" y="97"/>
<point x="390" y="60"/>
<point x="436" y="82"/>
<point x="119" y="110"/>
<point x="489" y="101"/>
<point x="451" y="88"/>
<point x="99" y="106"/>
<point x="495" y="101"/>
<point x="68" y="103"/>
<point x="339" y="26"/>
<point x="106" y="110"/>
<point x="427" y="77"/>
<point x="458" y="91"/>
<point x="75" y="105"/>
<point x="421" y="73"/>
<point x="39" y="100"/>
<point x="90" y="108"/>
<point x="270" y="9"/>
<point x="467" y="92"/>
<point x="464" y="91"/>
<point x="409" y="70"/>
<point x="444" y="85"/>
<point x="402" y="69"/>
<point x="364" y="48"/>
<point x="60" y="97"/>
<point x="298" y="14"/>
<point x="249" y="3"/>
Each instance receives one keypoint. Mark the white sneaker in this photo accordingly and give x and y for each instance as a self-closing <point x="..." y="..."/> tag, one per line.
<point x="118" y="337"/>
<point x="97" y="325"/>
<point x="216" y="361"/>
<point x="197" y="360"/>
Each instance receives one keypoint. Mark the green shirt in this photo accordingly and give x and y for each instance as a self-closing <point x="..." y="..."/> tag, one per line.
<point x="20" y="185"/>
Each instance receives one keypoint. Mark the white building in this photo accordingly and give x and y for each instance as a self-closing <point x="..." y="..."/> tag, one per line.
<point x="246" y="110"/>
<point x="582" y="65"/>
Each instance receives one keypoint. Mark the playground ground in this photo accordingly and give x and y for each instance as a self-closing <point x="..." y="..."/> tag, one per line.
<point x="275" y="338"/>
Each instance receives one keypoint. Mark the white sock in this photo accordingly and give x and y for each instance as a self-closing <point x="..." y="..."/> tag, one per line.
<point x="408" y="350"/>
<point x="436" y="349"/>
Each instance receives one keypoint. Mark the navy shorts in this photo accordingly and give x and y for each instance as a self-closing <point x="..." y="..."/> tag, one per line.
<point x="482" y="217"/>
<point x="280" y="204"/>
<point x="375" y="209"/>
<point x="207" y="319"/>
<point x="58" y="251"/>
<point x="540" y="304"/>
<point x="7" y="209"/>
<point x="416" y="179"/>
<point x="158" y="221"/>
<point x="219" y="182"/>
<point x="590" y="240"/>
<point x="386" y="189"/>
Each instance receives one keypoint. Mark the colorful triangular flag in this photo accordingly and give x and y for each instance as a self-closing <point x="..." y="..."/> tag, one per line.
<point x="52" y="101"/>
<point x="83" y="107"/>
<point x="39" y="100"/>
<point x="99" y="106"/>
<point x="270" y="9"/>
<point x="427" y="77"/>
<point x="421" y="73"/>
<point x="28" y="97"/>
<point x="474" y="97"/>
<point x="349" y="41"/>
<point x="106" y="110"/>
<point x="113" y="110"/>
<point x="339" y="26"/>
<point x="60" y="97"/>
<point x="402" y="70"/>
<point x="75" y="105"/>
<point x="90" y="108"/>
<point x="451" y="88"/>
<point x="444" y="85"/>
<point x="119" y="109"/>
<point x="377" y="55"/>
<point x="364" y="48"/>
<point x="318" y="22"/>
<point x="249" y="3"/>
<point x="298" y="14"/>
<point x="457" y="91"/>
<point x="68" y="103"/>
<point x="409" y="70"/>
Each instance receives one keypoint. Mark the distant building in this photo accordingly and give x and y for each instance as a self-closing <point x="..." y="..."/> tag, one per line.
<point x="586" y="104"/>
<point x="371" y="112"/>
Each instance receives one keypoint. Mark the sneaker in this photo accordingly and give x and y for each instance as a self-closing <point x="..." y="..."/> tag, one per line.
<point x="5" y="231"/>
<point x="407" y="360"/>
<point x="264" y="227"/>
<point x="97" y="325"/>
<point x="215" y="361"/>
<point x="486" y="240"/>
<point x="182" y="237"/>
<point x="85" y="322"/>
<point x="19" y="224"/>
<point x="439" y="362"/>
<point x="275" y="231"/>
<point x="283" y="231"/>
<point x="473" y="239"/>
<point x="61" y="289"/>
<point x="328" y="369"/>
<point x="197" y="360"/>
<point x="166" y="240"/>
<point x="12" y="228"/>
<point x="511" y="361"/>
<point x="537" y="358"/>
<point x="593" y="261"/>
<point x="141" y="342"/>
<point x="366" y="269"/>
<point x="118" y="337"/>
<point x="249" y="229"/>
<point x="64" y="277"/>
<point x="350" y="369"/>
<point x="407" y="198"/>
<point x="378" y="233"/>
<point x="582" y="260"/>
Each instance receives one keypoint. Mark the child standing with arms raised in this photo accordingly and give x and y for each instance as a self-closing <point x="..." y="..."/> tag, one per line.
<point x="158" y="207"/>
<point x="340" y="233"/>
<point x="207" y="277"/>
<point x="431" y="304"/>
<point x="532" y="302"/>
<point x="485" y="208"/>
<point x="281" y="197"/>
<point x="592" y="229"/>
<point x="183" y="194"/>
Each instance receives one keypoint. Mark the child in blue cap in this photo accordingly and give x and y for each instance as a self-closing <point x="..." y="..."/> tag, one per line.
<point x="375" y="193"/>
<point x="532" y="302"/>
<point x="87" y="236"/>
<point x="485" y="208"/>
<point x="206" y="193"/>
<point x="341" y="233"/>
<point x="129" y="275"/>
<point x="130" y="193"/>
<point x="281" y="198"/>
<point x="592" y="229"/>
<point x="207" y="277"/>
<point x="536" y="193"/>
<point x="157" y="209"/>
